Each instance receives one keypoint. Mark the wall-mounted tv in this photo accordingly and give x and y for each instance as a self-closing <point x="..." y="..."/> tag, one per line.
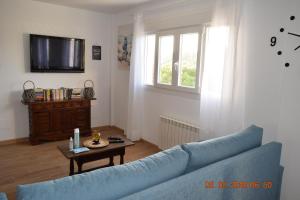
<point x="56" y="54"/>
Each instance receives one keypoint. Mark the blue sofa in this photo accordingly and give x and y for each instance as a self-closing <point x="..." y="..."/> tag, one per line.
<point x="234" y="167"/>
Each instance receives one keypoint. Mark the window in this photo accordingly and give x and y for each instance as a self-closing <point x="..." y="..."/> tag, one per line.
<point x="173" y="59"/>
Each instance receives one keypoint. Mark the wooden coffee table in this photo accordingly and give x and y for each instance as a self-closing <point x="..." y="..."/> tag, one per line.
<point x="113" y="149"/>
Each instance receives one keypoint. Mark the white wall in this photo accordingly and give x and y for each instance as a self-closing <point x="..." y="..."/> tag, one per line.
<point x="119" y="77"/>
<point x="18" y="18"/>
<point x="272" y="90"/>
<point x="162" y="102"/>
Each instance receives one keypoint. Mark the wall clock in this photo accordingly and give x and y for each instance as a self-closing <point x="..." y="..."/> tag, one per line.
<point x="282" y="31"/>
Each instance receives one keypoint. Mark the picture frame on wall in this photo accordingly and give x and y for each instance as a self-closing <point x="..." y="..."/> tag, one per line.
<point x="125" y="37"/>
<point x="96" y="52"/>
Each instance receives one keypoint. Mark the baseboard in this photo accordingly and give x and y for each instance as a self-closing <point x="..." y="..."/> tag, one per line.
<point x="115" y="127"/>
<point x="26" y="139"/>
<point x="14" y="141"/>
<point x="102" y="128"/>
<point x="108" y="127"/>
<point x="143" y="140"/>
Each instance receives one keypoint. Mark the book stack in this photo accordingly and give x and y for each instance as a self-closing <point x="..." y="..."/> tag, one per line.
<point x="47" y="93"/>
<point x="60" y="94"/>
<point x="39" y="94"/>
<point x="55" y="94"/>
<point x="76" y="93"/>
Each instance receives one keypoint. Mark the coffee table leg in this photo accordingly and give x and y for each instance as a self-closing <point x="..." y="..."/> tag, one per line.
<point x="122" y="159"/>
<point x="79" y="164"/>
<point x="71" y="167"/>
<point x="122" y="154"/>
<point x="111" y="161"/>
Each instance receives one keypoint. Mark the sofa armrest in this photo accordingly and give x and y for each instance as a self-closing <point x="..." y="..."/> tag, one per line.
<point x="3" y="196"/>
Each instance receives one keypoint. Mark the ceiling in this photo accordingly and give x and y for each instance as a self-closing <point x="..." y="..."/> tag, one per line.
<point x="106" y="6"/>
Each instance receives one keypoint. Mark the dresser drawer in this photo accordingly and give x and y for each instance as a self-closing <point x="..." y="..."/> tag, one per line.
<point x="58" y="105"/>
<point x="86" y="103"/>
<point x="41" y="121"/>
<point x="76" y="104"/>
<point x="67" y="105"/>
<point x="41" y="107"/>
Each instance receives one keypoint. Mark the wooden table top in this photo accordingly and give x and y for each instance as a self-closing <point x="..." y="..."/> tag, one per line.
<point x="64" y="148"/>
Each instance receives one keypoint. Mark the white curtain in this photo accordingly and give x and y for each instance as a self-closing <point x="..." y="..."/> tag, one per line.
<point x="222" y="88"/>
<point x="136" y="82"/>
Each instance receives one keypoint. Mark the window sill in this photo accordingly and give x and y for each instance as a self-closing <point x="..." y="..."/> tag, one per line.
<point x="173" y="91"/>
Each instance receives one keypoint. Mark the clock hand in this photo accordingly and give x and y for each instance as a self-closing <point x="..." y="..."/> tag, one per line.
<point x="294" y="34"/>
<point x="297" y="48"/>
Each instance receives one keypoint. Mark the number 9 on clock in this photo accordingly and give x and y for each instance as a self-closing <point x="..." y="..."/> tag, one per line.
<point x="273" y="41"/>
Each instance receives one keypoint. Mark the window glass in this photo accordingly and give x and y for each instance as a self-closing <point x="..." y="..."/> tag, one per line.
<point x="188" y="51"/>
<point x="165" y="59"/>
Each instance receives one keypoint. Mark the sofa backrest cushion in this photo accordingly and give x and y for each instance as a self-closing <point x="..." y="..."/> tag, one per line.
<point x="258" y="165"/>
<point x="112" y="182"/>
<point x="210" y="151"/>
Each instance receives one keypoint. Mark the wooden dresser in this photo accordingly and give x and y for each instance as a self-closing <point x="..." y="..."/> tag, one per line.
<point x="56" y="120"/>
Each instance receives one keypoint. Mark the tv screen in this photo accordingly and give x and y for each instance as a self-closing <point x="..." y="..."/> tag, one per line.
<point x="56" y="54"/>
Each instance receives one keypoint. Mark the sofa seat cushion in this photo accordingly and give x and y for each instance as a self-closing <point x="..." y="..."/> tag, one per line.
<point x="214" y="150"/>
<point x="112" y="182"/>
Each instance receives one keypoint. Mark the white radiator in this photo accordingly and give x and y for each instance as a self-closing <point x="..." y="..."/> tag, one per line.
<point x="174" y="132"/>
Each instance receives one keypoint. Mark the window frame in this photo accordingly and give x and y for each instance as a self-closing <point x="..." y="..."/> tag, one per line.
<point x="200" y="29"/>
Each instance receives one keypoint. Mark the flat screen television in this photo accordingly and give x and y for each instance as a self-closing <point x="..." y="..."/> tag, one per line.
<point x="56" y="54"/>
